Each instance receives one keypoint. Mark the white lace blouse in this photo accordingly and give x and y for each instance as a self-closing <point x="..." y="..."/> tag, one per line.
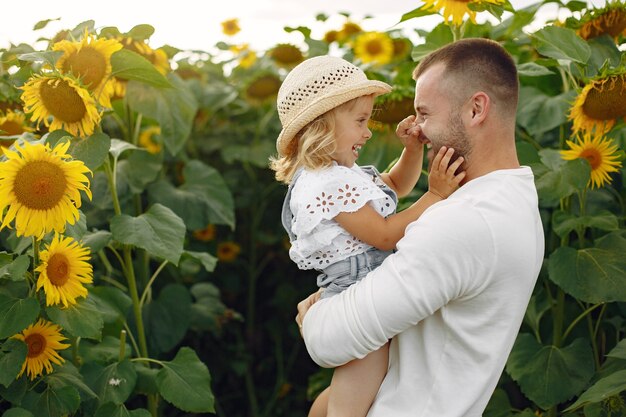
<point x="317" y="197"/>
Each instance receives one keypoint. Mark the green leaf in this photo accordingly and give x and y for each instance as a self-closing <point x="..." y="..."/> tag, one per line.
<point x="619" y="351"/>
<point x="539" y="113"/>
<point x="92" y="150"/>
<point x="140" y="169"/>
<point x="203" y="199"/>
<point x="53" y="402"/>
<point x="549" y="375"/>
<point x="419" y="12"/>
<point x="173" y="108"/>
<point x="114" y="383"/>
<point x="14" y="269"/>
<point x="562" y="43"/>
<point x="256" y="154"/>
<point x="594" y="275"/>
<point x="141" y="32"/>
<point x="17" y="412"/>
<point x="159" y="231"/>
<point x="43" y="23"/>
<point x="208" y="307"/>
<point x="564" y="222"/>
<point x="48" y="57"/>
<point x="96" y="241"/>
<point x="539" y="304"/>
<point x="119" y="146"/>
<point x="113" y="303"/>
<point x="556" y="178"/>
<point x="120" y="410"/>
<point x="129" y="65"/>
<point x="12" y="357"/>
<point x="68" y="375"/>
<point x="16" y="314"/>
<point x="207" y="260"/>
<point x="103" y="352"/>
<point x="609" y="386"/>
<point x="146" y="379"/>
<point x="441" y="35"/>
<point x="185" y="382"/>
<point x="531" y="69"/>
<point x="167" y="318"/>
<point x="83" y="319"/>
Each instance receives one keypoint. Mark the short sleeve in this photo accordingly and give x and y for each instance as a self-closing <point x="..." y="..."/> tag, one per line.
<point x="322" y="195"/>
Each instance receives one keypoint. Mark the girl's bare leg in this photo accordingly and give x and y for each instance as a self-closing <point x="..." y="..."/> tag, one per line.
<point x="355" y="384"/>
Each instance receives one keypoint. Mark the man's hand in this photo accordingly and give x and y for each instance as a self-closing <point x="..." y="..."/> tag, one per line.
<point x="304" y="305"/>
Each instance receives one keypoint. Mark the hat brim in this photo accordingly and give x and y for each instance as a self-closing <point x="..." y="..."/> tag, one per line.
<point x="326" y="103"/>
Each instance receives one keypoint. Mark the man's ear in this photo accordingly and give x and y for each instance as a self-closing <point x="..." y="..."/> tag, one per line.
<point x="480" y="105"/>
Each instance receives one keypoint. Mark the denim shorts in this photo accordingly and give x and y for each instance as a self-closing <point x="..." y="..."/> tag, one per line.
<point x="340" y="275"/>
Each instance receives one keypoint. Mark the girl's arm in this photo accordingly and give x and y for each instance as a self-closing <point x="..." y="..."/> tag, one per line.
<point x="383" y="233"/>
<point x="404" y="174"/>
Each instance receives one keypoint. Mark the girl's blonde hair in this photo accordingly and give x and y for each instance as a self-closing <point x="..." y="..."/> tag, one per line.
<point x="312" y="147"/>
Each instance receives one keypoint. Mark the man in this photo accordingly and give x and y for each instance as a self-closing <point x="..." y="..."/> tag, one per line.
<point x="453" y="296"/>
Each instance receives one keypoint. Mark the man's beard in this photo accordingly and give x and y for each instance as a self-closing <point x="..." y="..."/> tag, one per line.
<point x="454" y="137"/>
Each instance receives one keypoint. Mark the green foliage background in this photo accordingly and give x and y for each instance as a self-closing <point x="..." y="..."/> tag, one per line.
<point x="186" y="334"/>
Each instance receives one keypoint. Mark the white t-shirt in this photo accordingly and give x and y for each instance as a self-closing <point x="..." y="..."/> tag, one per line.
<point x="316" y="198"/>
<point x="452" y="298"/>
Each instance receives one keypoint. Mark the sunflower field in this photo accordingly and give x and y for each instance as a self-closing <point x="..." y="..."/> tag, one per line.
<point x="143" y="267"/>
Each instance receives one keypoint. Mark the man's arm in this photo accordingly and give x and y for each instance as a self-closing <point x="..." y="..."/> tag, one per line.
<point x="435" y="264"/>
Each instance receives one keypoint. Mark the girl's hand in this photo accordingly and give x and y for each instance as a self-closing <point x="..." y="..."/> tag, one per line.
<point x="408" y="131"/>
<point x="442" y="180"/>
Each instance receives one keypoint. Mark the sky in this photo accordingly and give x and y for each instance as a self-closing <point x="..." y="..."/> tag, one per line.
<point x="195" y="24"/>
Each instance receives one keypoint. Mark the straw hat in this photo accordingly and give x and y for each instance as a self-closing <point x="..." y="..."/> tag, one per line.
<point x="316" y="86"/>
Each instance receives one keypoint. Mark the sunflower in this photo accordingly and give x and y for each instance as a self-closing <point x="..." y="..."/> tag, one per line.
<point x="13" y="124"/>
<point x="331" y="36"/>
<point x="62" y="99"/>
<point x="600" y="103"/>
<point x="401" y="48"/>
<point x="150" y="139"/>
<point x="374" y="47"/>
<point x="41" y="188"/>
<point x="610" y="20"/>
<point x="205" y="235"/>
<point x="228" y="251"/>
<point x="157" y="57"/>
<point x="262" y="88"/>
<point x="601" y="154"/>
<point x="348" y="30"/>
<point x="393" y="111"/>
<point x="43" y="340"/>
<point x="286" y="55"/>
<point x="247" y="57"/>
<point x="63" y="270"/>
<point x="90" y="61"/>
<point x="230" y="27"/>
<point x="455" y="10"/>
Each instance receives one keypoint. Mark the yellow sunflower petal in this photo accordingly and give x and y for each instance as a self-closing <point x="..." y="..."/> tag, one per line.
<point x="43" y="340"/>
<point x="41" y="189"/>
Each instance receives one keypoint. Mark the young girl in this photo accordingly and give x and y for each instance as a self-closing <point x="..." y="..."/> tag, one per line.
<point x="339" y="216"/>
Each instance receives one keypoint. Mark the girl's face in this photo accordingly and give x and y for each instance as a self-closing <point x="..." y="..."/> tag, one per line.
<point x="351" y="131"/>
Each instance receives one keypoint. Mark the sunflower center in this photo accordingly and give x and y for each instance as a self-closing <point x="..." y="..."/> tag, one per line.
<point x="607" y="99"/>
<point x="11" y="128"/>
<point x="593" y="156"/>
<point x="40" y="185"/>
<point x="62" y="101"/>
<point x="58" y="269"/>
<point x="89" y="65"/>
<point x="36" y="344"/>
<point x="374" y="48"/>
<point x="264" y="87"/>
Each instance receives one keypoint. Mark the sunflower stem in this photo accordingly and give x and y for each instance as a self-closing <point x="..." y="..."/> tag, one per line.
<point x="110" y="172"/>
<point x="122" y="345"/>
<point x="149" y="285"/>
<point x="134" y="295"/>
<point x="35" y="257"/>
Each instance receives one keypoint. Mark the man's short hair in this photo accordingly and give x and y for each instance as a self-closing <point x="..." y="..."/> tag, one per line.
<point x="477" y="64"/>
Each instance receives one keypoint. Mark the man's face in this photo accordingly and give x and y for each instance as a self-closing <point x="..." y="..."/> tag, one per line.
<point x="439" y="119"/>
